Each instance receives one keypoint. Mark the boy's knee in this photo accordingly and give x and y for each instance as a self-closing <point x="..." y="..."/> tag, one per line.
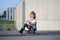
<point x="25" y="25"/>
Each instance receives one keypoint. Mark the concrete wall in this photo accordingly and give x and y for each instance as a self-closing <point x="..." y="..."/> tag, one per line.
<point x="53" y="14"/>
<point x="18" y="16"/>
<point x="40" y="8"/>
<point x="47" y="12"/>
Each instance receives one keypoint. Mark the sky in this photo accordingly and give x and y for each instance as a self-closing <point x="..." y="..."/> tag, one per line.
<point x="4" y="4"/>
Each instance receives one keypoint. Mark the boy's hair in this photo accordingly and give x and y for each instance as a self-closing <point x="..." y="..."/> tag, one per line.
<point x="33" y="14"/>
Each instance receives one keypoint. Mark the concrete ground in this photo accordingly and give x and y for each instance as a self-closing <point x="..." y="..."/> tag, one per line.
<point x="40" y="35"/>
<point x="16" y="33"/>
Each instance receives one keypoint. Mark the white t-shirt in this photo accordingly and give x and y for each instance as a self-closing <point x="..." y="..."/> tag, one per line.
<point x="32" y="21"/>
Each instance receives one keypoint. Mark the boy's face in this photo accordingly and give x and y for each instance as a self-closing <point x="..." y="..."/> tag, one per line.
<point x="31" y="15"/>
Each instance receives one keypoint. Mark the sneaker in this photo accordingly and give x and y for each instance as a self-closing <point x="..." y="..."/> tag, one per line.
<point x="21" y="31"/>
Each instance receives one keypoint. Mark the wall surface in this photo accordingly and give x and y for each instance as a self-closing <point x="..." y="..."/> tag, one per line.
<point x="47" y="12"/>
<point x="18" y="16"/>
<point x="54" y="14"/>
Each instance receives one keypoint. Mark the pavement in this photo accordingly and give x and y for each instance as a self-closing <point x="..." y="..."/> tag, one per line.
<point x="40" y="35"/>
<point x="16" y="33"/>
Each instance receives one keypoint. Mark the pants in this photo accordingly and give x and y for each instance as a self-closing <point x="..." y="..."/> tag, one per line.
<point x="31" y="27"/>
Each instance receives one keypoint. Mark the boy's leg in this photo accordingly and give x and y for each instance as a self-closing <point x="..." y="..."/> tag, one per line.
<point x="34" y="29"/>
<point x="23" y="28"/>
<point x="29" y="29"/>
<point x="25" y="25"/>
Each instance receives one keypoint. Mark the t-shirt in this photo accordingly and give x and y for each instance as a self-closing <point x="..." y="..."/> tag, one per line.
<point x="32" y="21"/>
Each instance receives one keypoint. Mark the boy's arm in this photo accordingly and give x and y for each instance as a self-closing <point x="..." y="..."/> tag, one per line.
<point x="26" y="22"/>
<point x="33" y="22"/>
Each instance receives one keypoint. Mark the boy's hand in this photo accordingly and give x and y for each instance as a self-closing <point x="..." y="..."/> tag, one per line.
<point x="27" y="23"/>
